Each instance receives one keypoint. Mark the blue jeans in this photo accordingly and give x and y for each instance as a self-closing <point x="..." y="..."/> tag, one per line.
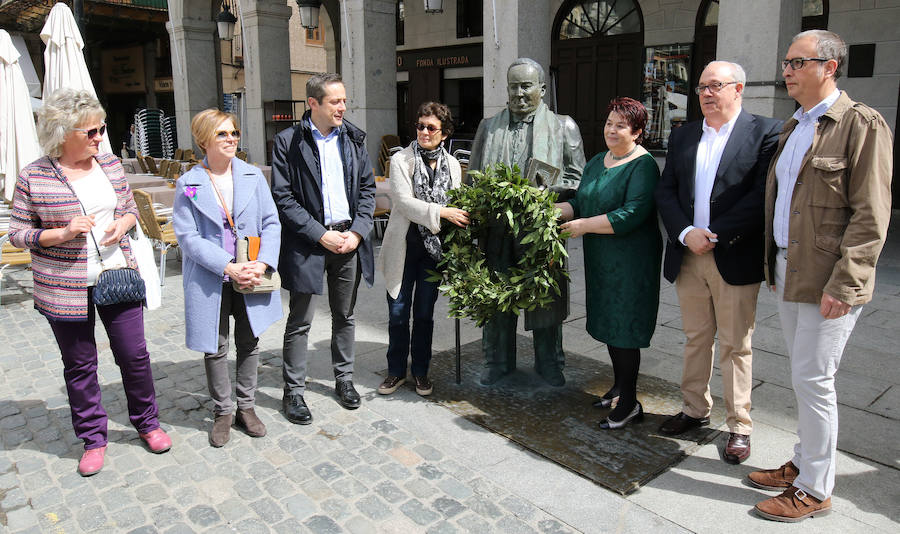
<point x="420" y="295"/>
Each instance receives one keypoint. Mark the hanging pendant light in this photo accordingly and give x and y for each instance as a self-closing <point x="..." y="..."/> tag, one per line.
<point x="225" y="22"/>
<point x="309" y="13"/>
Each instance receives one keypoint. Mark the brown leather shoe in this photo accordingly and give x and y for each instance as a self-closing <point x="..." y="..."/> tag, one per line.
<point x="774" y="479"/>
<point x="681" y="423"/>
<point x="249" y="421"/>
<point x="792" y="506"/>
<point x="738" y="448"/>
<point x="221" y="430"/>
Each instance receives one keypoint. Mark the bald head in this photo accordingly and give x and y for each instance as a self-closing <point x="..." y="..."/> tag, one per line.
<point x="721" y="89"/>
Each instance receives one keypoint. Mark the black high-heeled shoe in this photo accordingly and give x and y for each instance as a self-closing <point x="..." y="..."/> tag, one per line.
<point x="637" y="414"/>
<point x="606" y="401"/>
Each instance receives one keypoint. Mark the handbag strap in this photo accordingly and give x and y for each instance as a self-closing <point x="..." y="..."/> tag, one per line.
<point x="221" y="199"/>
<point x="90" y="232"/>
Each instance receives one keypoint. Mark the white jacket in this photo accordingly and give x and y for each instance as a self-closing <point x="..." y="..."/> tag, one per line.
<point x="407" y="208"/>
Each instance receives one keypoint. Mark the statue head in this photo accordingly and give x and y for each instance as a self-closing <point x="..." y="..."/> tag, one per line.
<point x="525" y="86"/>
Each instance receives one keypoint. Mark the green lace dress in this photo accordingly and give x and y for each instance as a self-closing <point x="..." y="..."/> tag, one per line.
<point x="622" y="269"/>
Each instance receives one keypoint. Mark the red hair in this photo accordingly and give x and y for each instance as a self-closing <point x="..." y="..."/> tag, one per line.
<point x="633" y="111"/>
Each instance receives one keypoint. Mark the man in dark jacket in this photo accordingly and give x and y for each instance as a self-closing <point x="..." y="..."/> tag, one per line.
<point x="324" y="189"/>
<point x="710" y="198"/>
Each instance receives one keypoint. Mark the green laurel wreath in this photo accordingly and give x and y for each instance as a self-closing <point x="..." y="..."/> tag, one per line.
<point x="500" y="195"/>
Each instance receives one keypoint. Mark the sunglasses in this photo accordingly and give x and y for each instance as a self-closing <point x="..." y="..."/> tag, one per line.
<point x="93" y="131"/>
<point x="222" y="134"/>
<point x="429" y="127"/>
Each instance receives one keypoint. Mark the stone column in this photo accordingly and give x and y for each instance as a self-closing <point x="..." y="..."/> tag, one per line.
<point x="267" y="68"/>
<point x="522" y="31"/>
<point x="194" y="70"/>
<point x="757" y="36"/>
<point x="369" y="68"/>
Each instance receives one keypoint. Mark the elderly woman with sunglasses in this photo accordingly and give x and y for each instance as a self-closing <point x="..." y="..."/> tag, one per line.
<point x="211" y="197"/>
<point x="421" y="176"/>
<point x="73" y="208"/>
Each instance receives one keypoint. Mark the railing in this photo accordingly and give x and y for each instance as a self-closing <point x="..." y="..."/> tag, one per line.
<point x="147" y="4"/>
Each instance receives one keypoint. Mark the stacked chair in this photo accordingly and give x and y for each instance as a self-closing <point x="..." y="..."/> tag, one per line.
<point x="390" y="144"/>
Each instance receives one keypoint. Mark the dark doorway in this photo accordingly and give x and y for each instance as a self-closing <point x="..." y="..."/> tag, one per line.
<point x="596" y="55"/>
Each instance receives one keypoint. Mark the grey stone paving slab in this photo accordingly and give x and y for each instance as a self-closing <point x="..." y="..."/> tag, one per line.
<point x="404" y="451"/>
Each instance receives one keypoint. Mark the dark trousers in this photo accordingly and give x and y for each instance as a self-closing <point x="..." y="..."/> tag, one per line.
<point x="247" y="356"/>
<point x="419" y="295"/>
<point x="124" y="325"/>
<point x="342" y="274"/>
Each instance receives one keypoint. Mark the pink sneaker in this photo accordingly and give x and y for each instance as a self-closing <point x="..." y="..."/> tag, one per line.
<point x="157" y="441"/>
<point x="91" y="461"/>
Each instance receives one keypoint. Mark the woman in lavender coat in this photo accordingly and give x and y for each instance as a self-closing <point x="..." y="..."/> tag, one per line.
<point x="208" y="250"/>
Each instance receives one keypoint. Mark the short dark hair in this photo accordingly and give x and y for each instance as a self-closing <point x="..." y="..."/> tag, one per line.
<point x="315" y="86"/>
<point x="633" y="111"/>
<point x="829" y="45"/>
<point x="439" y="111"/>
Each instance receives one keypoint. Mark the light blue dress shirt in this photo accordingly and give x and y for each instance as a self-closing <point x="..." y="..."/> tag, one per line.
<point x="334" y="193"/>
<point x="787" y="168"/>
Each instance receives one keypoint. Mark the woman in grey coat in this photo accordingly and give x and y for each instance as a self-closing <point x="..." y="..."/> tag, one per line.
<point x="421" y="176"/>
<point x="208" y="243"/>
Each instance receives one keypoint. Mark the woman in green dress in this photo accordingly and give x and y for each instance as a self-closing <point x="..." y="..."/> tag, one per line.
<point x="615" y="211"/>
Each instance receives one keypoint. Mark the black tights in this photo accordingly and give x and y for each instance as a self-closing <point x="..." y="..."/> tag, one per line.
<point x="626" y="363"/>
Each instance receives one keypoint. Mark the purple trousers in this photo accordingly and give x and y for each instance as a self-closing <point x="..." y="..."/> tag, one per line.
<point x="124" y="325"/>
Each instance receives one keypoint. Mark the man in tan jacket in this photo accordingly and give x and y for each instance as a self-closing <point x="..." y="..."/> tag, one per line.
<point x="828" y="205"/>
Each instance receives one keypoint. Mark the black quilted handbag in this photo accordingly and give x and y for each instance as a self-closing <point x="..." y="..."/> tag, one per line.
<point x="117" y="286"/>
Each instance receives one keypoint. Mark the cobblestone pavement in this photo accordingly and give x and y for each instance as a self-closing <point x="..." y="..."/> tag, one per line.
<point x="400" y="463"/>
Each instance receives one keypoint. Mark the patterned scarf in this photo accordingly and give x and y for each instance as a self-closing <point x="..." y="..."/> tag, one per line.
<point x="431" y="191"/>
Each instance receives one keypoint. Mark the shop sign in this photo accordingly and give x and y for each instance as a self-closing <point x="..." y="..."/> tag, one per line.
<point x="123" y="70"/>
<point x="440" y="58"/>
<point x="163" y="85"/>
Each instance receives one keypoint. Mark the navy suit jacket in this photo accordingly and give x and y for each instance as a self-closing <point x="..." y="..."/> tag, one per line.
<point x="297" y="190"/>
<point x="737" y="199"/>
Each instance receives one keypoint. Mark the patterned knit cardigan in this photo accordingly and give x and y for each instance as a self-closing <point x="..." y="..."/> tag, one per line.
<point x="42" y="201"/>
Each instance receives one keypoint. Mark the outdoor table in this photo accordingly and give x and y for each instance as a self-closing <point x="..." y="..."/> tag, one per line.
<point x="162" y="194"/>
<point x="141" y="181"/>
<point x="382" y="193"/>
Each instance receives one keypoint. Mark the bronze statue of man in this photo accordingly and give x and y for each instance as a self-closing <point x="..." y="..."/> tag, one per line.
<point x="526" y="129"/>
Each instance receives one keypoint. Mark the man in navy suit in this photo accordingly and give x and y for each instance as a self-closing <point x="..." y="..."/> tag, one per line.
<point x="324" y="189"/>
<point x="711" y="198"/>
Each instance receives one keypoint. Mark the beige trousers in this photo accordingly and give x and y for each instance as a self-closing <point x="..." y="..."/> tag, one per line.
<point x="711" y="306"/>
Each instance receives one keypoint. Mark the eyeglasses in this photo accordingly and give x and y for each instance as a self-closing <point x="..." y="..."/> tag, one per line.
<point x="93" y="131"/>
<point x="422" y="127"/>
<point x="798" y="62"/>
<point x="714" y="87"/>
<point x="221" y="135"/>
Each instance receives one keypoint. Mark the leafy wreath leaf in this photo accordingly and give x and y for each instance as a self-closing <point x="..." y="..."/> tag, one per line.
<point x="500" y="195"/>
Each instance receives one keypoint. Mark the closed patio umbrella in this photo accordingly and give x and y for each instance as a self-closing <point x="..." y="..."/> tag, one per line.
<point x="18" y="138"/>
<point x="64" y="64"/>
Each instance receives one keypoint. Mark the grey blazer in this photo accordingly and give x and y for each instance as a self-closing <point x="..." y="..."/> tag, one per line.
<point x="407" y="208"/>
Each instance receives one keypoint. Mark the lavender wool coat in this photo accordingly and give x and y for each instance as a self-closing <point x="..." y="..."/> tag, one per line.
<point x="200" y="230"/>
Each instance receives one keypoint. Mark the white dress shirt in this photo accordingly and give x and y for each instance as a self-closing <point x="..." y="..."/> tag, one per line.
<point x="334" y="193"/>
<point x="709" y="154"/>
<point x="787" y="168"/>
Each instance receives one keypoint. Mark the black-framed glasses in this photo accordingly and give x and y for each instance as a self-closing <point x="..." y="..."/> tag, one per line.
<point x="429" y="127"/>
<point x="714" y="87"/>
<point x="223" y="134"/>
<point x="797" y="63"/>
<point x="93" y="131"/>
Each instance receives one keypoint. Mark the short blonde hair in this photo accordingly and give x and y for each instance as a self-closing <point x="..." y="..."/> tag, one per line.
<point x="62" y="111"/>
<point x="204" y="124"/>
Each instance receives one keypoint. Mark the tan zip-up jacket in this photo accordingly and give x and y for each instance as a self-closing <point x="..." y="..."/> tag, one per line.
<point x="840" y="208"/>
